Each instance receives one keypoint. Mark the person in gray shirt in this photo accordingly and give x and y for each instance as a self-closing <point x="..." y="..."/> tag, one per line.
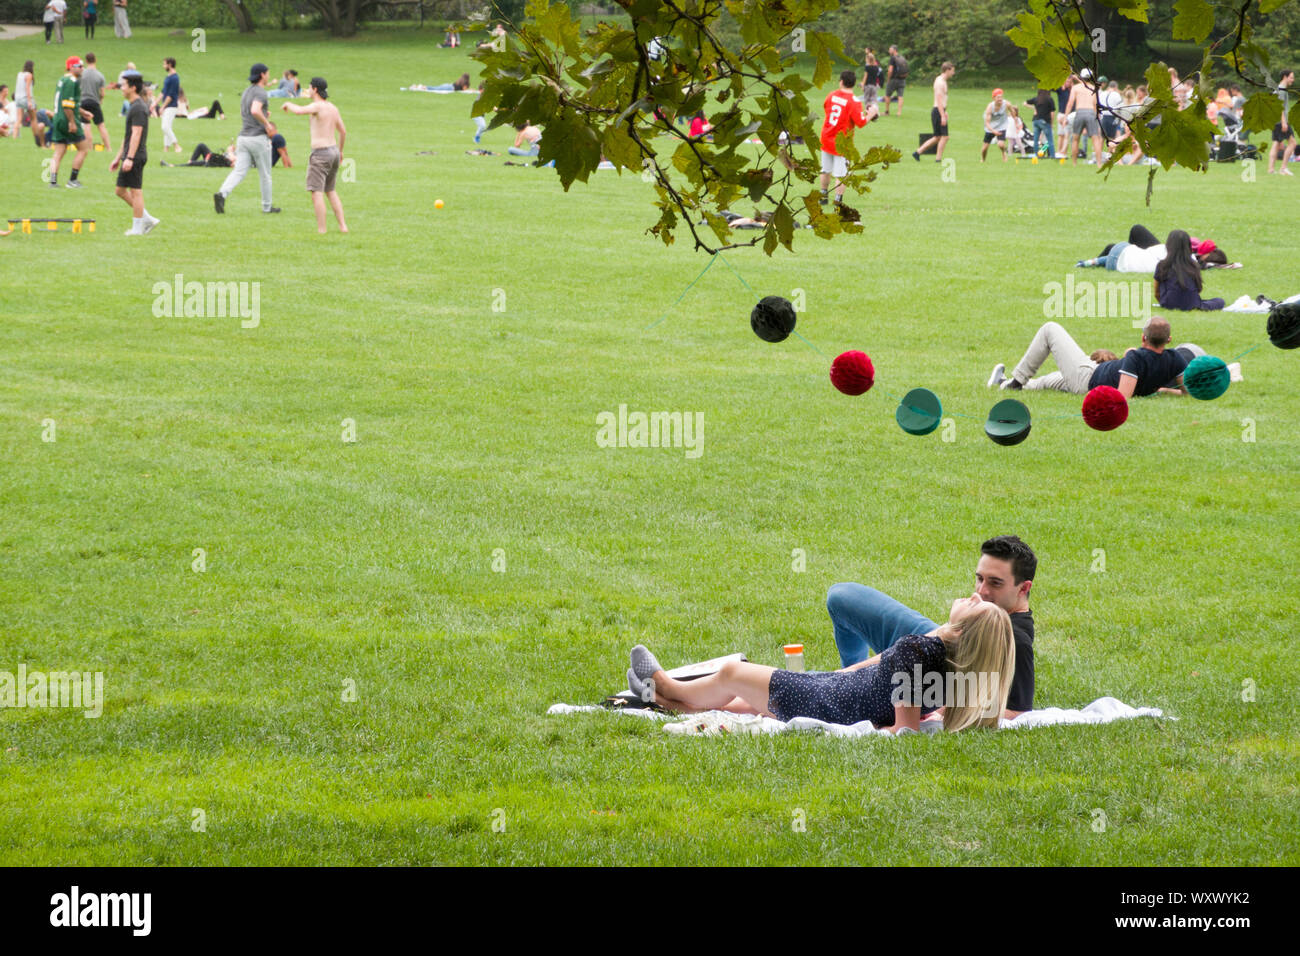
<point x="253" y="145"/>
<point x="92" y="96"/>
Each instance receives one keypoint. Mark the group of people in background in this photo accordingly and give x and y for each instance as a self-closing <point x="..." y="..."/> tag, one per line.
<point x="55" y="16"/>
<point x="77" y="114"/>
<point x="1085" y="112"/>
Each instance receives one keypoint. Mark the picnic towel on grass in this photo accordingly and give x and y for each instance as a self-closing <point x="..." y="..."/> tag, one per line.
<point x="715" y="723"/>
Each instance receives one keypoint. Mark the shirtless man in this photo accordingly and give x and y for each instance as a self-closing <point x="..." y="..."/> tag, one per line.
<point x="1083" y="104"/>
<point x="939" y="114"/>
<point x="323" y="166"/>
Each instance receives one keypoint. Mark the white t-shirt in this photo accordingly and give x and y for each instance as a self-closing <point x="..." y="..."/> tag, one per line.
<point x="1135" y="259"/>
<point x="1113" y="99"/>
<point x="54" y="10"/>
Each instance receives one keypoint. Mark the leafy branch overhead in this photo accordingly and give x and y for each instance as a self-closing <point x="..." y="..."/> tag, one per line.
<point x="1061" y="37"/>
<point x="624" y="92"/>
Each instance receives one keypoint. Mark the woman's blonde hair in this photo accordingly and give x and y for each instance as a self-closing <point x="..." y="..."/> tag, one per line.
<point x="981" y="662"/>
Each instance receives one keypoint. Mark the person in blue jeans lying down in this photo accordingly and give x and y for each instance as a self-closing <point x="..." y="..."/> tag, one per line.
<point x="869" y="622"/>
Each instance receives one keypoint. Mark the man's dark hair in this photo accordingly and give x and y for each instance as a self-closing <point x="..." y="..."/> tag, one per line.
<point x="1008" y="547"/>
<point x="135" y="82"/>
<point x="848" y="79"/>
<point x="170" y="61"/>
<point x="1284" y="74"/>
<point x="90" y="58"/>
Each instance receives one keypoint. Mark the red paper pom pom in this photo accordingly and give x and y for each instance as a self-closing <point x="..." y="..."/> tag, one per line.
<point x="1105" y="408"/>
<point x="852" y="373"/>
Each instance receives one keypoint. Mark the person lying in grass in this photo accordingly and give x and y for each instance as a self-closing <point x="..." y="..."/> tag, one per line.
<point x="963" y="667"/>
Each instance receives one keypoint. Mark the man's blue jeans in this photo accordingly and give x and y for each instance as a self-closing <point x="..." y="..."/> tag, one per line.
<point x="1044" y="128"/>
<point x="867" y="622"/>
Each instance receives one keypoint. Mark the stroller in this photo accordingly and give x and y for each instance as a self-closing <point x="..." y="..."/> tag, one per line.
<point x="1232" y="144"/>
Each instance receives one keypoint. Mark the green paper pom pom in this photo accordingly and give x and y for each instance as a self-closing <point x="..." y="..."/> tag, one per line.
<point x="1206" y="377"/>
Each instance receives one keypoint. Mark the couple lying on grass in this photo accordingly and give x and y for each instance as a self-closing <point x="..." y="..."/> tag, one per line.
<point x="899" y="668"/>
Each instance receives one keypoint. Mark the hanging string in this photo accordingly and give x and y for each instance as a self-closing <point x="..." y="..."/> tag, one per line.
<point x="683" y="295"/>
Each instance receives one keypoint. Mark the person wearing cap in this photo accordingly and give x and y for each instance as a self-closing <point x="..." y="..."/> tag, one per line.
<point x="1142" y="371"/>
<point x="121" y="26"/>
<point x="253" y="145"/>
<point x="66" y="125"/>
<point x="997" y="117"/>
<point x="132" y="156"/>
<point x="327" y="136"/>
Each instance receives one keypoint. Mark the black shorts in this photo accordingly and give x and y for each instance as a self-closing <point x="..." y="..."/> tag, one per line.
<point x="939" y="128"/>
<point x="93" y="108"/>
<point x="1281" y="137"/>
<point x="990" y="137"/>
<point x="896" y="86"/>
<point x="132" y="178"/>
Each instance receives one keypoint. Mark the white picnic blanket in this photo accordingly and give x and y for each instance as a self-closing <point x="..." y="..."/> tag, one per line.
<point x="1246" y="304"/>
<point x="716" y="723"/>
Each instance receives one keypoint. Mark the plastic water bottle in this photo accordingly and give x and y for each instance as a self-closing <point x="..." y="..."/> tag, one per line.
<point x="794" y="657"/>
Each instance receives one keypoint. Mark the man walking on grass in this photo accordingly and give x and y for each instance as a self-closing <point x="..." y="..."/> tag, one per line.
<point x="132" y="156"/>
<point x="253" y="145"/>
<point x="939" y="114"/>
<point x="327" y="136"/>
<point x="65" y="127"/>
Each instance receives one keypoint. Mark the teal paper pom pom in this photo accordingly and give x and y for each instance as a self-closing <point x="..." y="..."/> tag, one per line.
<point x="1206" y="377"/>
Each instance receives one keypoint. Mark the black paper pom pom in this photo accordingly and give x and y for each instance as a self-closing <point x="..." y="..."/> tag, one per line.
<point x="772" y="319"/>
<point x="1284" y="325"/>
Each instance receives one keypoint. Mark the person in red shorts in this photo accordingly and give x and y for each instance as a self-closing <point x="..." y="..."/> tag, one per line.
<point x="843" y="112"/>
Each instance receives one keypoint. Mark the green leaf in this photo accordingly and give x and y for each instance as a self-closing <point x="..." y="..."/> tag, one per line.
<point x="783" y="222"/>
<point x="1049" y="66"/>
<point x="1193" y="20"/>
<point x="1268" y="6"/>
<point x="1135" y="10"/>
<point x="1262" y="111"/>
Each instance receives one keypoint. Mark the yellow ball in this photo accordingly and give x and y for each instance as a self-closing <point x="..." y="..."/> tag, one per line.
<point x="437" y="204"/>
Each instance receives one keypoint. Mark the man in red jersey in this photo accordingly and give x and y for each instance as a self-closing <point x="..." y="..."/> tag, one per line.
<point x="843" y="112"/>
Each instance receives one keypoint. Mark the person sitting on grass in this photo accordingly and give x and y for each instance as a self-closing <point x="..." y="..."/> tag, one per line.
<point x="964" y="667"/>
<point x="1178" y="279"/>
<point x="529" y="134"/>
<point x="866" y="621"/>
<point x="1143" y="252"/>
<point x="1142" y="371"/>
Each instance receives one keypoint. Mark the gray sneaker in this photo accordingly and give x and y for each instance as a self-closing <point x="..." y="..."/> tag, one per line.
<point x="998" y="375"/>
<point x="74" y="184"/>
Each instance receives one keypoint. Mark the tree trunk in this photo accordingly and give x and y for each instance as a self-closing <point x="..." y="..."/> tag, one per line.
<point x="243" y="16"/>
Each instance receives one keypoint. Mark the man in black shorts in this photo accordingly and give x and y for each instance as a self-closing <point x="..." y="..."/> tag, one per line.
<point x="895" y="79"/>
<point x="92" y="96"/>
<point x="1283" y="134"/>
<point x="938" y="115"/>
<point x="131" y="158"/>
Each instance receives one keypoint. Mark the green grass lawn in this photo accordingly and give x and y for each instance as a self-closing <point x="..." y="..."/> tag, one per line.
<point x="370" y="563"/>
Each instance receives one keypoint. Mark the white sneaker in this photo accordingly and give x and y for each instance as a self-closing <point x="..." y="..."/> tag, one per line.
<point x="149" y="224"/>
<point x="1234" y="372"/>
<point x="998" y="375"/>
<point x="134" y="232"/>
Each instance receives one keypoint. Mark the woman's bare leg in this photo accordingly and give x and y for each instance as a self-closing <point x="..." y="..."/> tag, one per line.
<point x="735" y="679"/>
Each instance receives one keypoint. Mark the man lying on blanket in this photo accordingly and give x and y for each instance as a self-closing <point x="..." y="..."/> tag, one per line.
<point x="868" y="622"/>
